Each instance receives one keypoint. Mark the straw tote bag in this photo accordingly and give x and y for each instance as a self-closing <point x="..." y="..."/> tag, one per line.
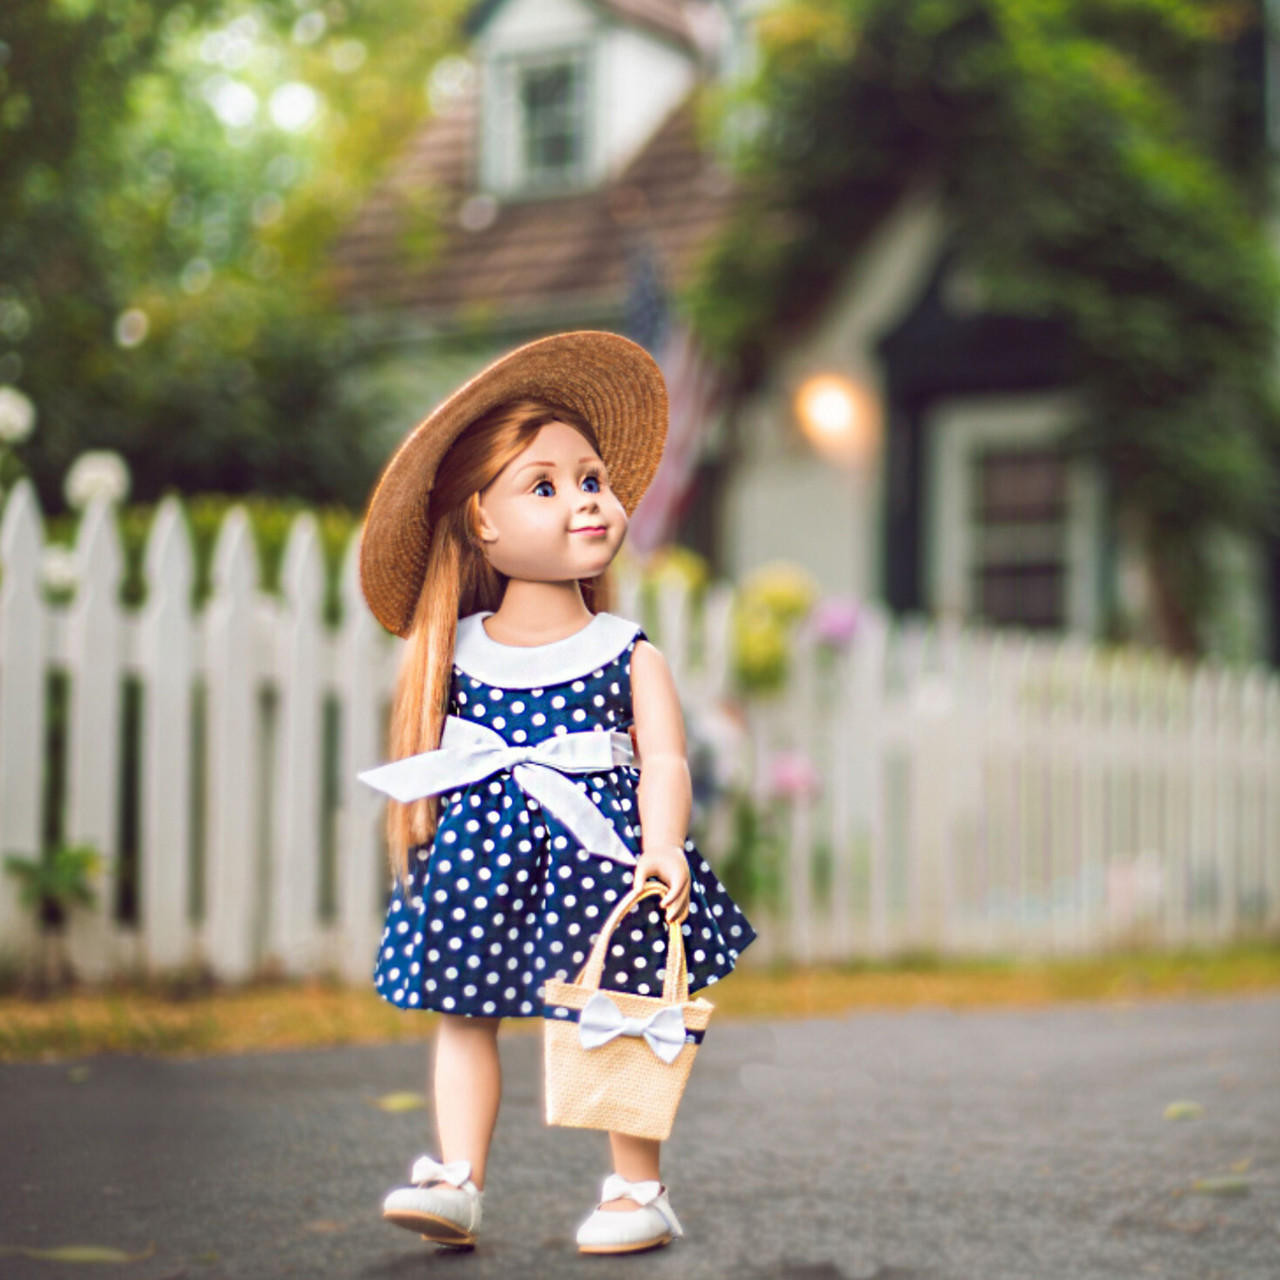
<point x="619" y="1061"/>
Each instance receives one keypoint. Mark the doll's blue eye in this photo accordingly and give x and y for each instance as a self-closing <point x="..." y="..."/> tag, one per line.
<point x="591" y="484"/>
<point x="545" y="489"/>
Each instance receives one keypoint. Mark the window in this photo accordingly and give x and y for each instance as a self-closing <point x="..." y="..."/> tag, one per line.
<point x="551" y="101"/>
<point x="1012" y="519"/>
<point x="1019" y="536"/>
<point x="537" y="126"/>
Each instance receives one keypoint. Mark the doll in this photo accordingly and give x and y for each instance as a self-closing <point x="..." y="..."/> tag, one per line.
<point x="539" y="767"/>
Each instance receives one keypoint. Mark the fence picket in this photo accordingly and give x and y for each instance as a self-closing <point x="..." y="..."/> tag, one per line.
<point x="1225" y="813"/>
<point x="867" y="720"/>
<point x="234" y="751"/>
<point x="93" y="730"/>
<point x="1250" y="745"/>
<point x="361" y="884"/>
<point x="841" y="832"/>
<point x="1175" y="803"/>
<point x="1269" y="764"/>
<point x="802" y="923"/>
<point x="25" y="636"/>
<point x="167" y="668"/>
<point x="674" y="629"/>
<point x="295" y="804"/>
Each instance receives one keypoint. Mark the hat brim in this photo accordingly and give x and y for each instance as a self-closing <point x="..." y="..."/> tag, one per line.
<point x="611" y="381"/>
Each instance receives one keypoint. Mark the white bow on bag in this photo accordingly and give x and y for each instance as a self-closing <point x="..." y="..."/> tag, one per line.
<point x="602" y="1021"/>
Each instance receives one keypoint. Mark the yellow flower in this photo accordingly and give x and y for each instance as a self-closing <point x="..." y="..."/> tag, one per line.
<point x="677" y="566"/>
<point x="760" y="649"/>
<point x="785" y="590"/>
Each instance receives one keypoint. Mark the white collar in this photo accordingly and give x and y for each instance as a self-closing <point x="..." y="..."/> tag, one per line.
<point x="513" y="666"/>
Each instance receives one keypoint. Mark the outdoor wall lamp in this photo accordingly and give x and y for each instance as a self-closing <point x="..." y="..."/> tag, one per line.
<point x="840" y="417"/>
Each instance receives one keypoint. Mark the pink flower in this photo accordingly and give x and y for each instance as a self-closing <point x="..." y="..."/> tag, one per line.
<point x="835" y="621"/>
<point x="792" y="776"/>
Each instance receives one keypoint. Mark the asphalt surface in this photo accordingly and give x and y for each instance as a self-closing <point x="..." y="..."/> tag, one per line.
<point x="921" y="1145"/>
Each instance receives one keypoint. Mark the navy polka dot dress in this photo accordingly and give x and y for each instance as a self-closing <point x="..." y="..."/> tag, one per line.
<point x="506" y="895"/>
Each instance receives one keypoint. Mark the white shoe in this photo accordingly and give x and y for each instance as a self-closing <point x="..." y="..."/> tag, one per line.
<point x="623" y="1231"/>
<point x="443" y="1205"/>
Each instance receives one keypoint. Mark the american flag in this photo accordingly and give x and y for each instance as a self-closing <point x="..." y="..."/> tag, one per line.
<point x="693" y="388"/>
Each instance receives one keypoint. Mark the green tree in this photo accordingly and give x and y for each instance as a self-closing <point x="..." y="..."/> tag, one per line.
<point x="173" y="175"/>
<point x="1095" y="158"/>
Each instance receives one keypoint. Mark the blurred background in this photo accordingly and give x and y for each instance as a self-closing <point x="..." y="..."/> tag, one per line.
<point x="965" y="548"/>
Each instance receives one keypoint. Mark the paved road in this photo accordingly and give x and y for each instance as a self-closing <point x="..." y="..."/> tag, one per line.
<point x="924" y="1145"/>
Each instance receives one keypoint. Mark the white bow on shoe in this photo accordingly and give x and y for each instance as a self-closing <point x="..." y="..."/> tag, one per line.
<point x="425" y="1169"/>
<point x="447" y="1212"/>
<point x="654" y="1223"/>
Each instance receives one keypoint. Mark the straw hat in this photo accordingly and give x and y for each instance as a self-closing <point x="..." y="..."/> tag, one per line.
<point x="613" y="383"/>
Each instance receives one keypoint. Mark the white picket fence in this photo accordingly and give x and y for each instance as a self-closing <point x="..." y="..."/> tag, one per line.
<point x="1006" y="793"/>
<point x="971" y="791"/>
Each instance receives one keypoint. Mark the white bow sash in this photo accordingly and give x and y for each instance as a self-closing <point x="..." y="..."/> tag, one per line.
<point x="601" y="1021"/>
<point x="469" y="752"/>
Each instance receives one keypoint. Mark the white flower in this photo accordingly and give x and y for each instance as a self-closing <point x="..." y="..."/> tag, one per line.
<point x="58" y="568"/>
<point x="17" y="416"/>
<point x="100" y="473"/>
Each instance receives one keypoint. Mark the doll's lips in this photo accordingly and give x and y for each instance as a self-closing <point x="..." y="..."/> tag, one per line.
<point x="590" y="528"/>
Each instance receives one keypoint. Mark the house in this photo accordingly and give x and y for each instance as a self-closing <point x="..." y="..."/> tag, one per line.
<point x="905" y="450"/>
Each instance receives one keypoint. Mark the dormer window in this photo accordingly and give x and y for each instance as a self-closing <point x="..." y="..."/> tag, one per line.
<point x="538" y="122"/>
<point x="553" y="120"/>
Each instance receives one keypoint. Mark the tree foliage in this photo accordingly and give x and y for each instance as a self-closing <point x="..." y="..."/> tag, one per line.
<point x="1094" y="156"/>
<point x="174" y="173"/>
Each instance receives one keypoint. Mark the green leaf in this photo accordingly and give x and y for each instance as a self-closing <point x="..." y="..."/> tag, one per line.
<point x="86" y="1253"/>
<point x="1223" y="1185"/>
<point x="402" y="1101"/>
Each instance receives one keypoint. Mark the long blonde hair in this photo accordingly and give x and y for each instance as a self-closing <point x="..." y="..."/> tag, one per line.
<point x="459" y="580"/>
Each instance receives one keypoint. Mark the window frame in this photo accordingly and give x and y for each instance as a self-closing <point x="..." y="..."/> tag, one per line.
<point x="508" y="168"/>
<point x="960" y="431"/>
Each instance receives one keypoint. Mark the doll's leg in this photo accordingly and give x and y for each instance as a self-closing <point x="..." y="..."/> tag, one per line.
<point x="636" y="1159"/>
<point x="468" y="1086"/>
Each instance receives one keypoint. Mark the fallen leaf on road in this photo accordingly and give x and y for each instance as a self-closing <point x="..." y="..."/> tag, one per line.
<point x="322" y="1226"/>
<point x="403" y="1101"/>
<point x="1183" y="1111"/>
<point x="1242" y="1166"/>
<point x="1225" y="1185"/>
<point x="78" y="1075"/>
<point x="80" y="1253"/>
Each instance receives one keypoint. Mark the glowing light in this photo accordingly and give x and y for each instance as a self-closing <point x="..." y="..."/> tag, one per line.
<point x="347" y="56"/>
<point x="267" y="209"/>
<point x="132" y="327"/>
<point x="448" y="81"/>
<point x="309" y="28"/>
<point x="293" y="106"/>
<point x="196" y="275"/>
<point x="233" y="102"/>
<point x="841" y="418"/>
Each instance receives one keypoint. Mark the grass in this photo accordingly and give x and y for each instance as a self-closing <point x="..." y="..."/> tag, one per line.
<point x="186" y="1021"/>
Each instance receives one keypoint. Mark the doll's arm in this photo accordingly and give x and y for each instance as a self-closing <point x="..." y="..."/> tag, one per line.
<point x="666" y="794"/>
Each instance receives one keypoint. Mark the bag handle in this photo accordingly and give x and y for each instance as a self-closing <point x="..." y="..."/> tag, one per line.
<point x="675" y="985"/>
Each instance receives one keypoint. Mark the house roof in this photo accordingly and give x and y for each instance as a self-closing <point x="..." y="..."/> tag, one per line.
<point x="666" y="17"/>
<point x="528" y="259"/>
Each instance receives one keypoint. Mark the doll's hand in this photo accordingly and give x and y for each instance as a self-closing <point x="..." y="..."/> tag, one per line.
<point x="669" y="865"/>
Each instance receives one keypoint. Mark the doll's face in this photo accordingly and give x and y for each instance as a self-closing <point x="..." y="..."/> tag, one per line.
<point x="550" y="515"/>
